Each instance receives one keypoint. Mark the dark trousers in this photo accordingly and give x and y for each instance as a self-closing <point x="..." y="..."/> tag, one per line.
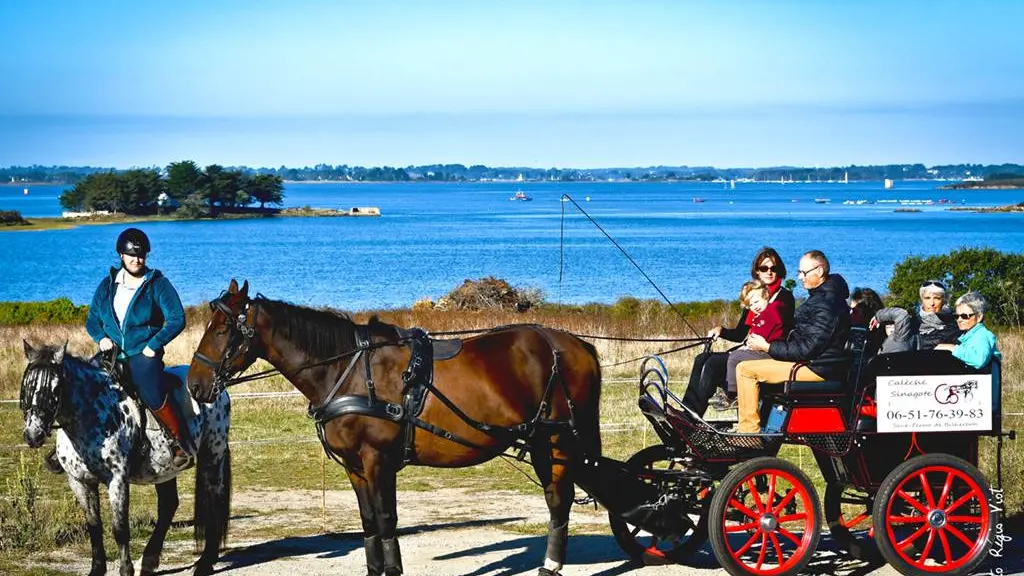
<point x="147" y="376"/>
<point x="707" y="375"/>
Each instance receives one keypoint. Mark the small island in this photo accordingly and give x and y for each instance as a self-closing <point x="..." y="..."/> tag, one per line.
<point x="1000" y="181"/>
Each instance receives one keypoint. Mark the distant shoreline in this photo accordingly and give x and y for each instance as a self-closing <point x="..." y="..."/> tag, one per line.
<point x="61" y="223"/>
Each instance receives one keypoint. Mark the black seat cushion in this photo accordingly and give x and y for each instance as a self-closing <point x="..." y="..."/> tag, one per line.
<point x="796" y="388"/>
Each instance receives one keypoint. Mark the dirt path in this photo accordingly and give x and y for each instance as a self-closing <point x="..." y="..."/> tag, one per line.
<point x="450" y="532"/>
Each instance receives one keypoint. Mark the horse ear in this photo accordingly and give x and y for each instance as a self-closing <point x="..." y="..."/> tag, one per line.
<point x="30" y="352"/>
<point x="58" y="356"/>
<point x="233" y="287"/>
<point x="245" y="289"/>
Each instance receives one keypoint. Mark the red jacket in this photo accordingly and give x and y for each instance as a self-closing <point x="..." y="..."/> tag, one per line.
<point x="768" y="324"/>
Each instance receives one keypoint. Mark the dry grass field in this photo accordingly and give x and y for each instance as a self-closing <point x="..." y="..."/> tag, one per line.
<point x="274" y="444"/>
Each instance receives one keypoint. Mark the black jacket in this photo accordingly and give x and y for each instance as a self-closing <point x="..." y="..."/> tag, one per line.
<point x="821" y="327"/>
<point x="739" y="332"/>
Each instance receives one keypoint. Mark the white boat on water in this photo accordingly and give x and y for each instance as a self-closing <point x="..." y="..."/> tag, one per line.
<point x="520" y="195"/>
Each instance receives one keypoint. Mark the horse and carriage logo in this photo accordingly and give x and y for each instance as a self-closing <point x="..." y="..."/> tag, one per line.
<point x="949" y="394"/>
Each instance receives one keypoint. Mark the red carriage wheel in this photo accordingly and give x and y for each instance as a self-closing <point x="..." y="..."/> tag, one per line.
<point x="933" y="516"/>
<point x="764" y="519"/>
<point x="661" y="466"/>
<point x="848" y="514"/>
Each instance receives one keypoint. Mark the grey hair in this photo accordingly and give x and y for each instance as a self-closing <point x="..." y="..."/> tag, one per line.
<point x="975" y="301"/>
<point x="930" y="287"/>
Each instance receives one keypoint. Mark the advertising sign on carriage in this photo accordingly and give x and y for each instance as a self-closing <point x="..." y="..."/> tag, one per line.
<point x="941" y="403"/>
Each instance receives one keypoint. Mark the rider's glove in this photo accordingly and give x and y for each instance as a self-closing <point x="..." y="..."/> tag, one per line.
<point x="106" y="344"/>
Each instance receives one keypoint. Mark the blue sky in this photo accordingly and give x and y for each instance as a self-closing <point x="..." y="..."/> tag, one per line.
<point x="520" y="83"/>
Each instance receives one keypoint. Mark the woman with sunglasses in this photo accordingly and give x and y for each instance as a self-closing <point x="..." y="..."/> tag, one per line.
<point x="933" y="324"/>
<point x="977" y="344"/>
<point x="708" y="376"/>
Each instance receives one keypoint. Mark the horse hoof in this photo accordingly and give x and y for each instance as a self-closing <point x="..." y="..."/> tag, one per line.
<point x="149" y="565"/>
<point x="98" y="570"/>
<point x="203" y="569"/>
<point x="546" y="572"/>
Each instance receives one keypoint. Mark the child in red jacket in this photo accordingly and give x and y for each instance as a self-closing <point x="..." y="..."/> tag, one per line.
<point x="766" y="321"/>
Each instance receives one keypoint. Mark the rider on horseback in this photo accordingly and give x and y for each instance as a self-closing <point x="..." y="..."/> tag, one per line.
<point x="137" y="309"/>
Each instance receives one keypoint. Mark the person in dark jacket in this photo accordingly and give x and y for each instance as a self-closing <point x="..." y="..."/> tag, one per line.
<point x="136" y="309"/>
<point x="708" y="375"/>
<point x="933" y="324"/>
<point x="821" y="327"/>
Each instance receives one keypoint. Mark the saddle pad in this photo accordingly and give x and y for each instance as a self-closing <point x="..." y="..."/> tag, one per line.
<point x="446" y="349"/>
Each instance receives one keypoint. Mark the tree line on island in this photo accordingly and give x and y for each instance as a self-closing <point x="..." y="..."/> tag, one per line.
<point x="481" y="173"/>
<point x="182" y="188"/>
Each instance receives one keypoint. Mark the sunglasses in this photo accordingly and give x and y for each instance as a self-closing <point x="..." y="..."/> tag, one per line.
<point x="767" y="269"/>
<point x="935" y="283"/>
<point x="806" y="272"/>
<point x="964" y="316"/>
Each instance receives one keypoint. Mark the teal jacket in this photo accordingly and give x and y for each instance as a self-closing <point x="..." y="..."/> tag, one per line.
<point x="976" y="346"/>
<point x="154" y="317"/>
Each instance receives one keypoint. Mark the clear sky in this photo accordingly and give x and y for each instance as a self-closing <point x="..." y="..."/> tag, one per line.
<point x="547" y="83"/>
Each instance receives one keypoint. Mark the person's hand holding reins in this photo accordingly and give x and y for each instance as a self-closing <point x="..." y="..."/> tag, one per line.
<point x="106" y="344"/>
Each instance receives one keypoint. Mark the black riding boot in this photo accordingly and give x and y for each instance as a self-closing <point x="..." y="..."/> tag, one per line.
<point x="374" y="556"/>
<point x="392" y="557"/>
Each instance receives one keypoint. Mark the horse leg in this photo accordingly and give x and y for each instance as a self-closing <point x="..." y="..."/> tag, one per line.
<point x="387" y="520"/>
<point x="551" y="466"/>
<point x="371" y="539"/>
<point x="213" y="501"/>
<point x="167" y="505"/>
<point x="88" y="496"/>
<point x="118" y="493"/>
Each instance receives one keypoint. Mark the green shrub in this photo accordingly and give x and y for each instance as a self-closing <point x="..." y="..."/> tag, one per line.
<point x="59" y="311"/>
<point x="12" y="218"/>
<point x="998" y="276"/>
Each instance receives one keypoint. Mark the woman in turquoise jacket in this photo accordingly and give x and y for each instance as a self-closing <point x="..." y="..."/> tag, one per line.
<point x="138" y="310"/>
<point x="977" y="344"/>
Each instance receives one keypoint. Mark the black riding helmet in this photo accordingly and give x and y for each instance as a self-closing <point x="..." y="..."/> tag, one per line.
<point x="133" y="242"/>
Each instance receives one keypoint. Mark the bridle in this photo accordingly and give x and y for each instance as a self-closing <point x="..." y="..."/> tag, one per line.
<point x="240" y="336"/>
<point x="53" y="372"/>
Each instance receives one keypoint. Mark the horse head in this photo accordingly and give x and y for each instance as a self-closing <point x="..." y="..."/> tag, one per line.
<point x="227" y="347"/>
<point x="41" y="387"/>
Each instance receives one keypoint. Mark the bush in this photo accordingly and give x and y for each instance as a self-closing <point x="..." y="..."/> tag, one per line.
<point x="12" y="218"/>
<point x="998" y="276"/>
<point x="59" y="311"/>
<point x="193" y="207"/>
<point x="489" y="293"/>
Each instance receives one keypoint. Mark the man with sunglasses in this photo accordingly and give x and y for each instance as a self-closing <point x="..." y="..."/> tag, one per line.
<point x="136" y="309"/>
<point x="932" y="324"/>
<point x="821" y="326"/>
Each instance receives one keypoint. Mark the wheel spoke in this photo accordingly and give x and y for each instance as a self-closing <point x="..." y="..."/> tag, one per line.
<point x="764" y="551"/>
<point x="789" y="535"/>
<point x="945" y="490"/>
<point x="960" y="535"/>
<point x="739" y="506"/>
<point x="945" y="546"/>
<point x="959" y="502"/>
<point x="927" y="546"/>
<point x="742" y="527"/>
<point x="755" y="495"/>
<point x="906" y="519"/>
<point x="747" y="546"/>
<point x="771" y="491"/>
<point x="909" y="539"/>
<point x="966" y="519"/>
<point x="778" y="548"/>
<point x="855" y="521"/>
<point x="912" y="501"/>
<point x="792" y="517"/>
<point x="782" y="503"/>
<point x="926" y="489"/>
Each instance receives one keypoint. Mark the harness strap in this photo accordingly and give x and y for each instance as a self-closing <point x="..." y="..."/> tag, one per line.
<point x="363" y="341"/>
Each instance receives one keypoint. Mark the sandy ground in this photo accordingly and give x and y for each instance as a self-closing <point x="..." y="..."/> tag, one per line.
<point x="452" y="532"/>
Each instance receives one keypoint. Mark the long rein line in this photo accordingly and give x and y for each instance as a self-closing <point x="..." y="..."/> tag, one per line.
<point x="275" y="371"/>
<point x="561" y="260"/>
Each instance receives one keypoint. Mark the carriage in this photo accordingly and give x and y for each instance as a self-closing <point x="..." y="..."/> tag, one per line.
<point x="896" y="442"/>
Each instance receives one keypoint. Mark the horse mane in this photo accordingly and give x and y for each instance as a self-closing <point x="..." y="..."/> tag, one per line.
<point x="319" y="332"/>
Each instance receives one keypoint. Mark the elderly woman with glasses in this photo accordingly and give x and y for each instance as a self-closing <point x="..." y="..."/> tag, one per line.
<point x="932" y="325"/>
<point x="977" y="344"/>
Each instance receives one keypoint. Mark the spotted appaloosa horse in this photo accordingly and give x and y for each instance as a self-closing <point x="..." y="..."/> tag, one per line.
<point x="103" y="440"/>
<point x="527" y="383"/>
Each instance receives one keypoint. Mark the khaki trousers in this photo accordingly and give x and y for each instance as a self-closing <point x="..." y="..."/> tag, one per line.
<point x="748" y="376"/>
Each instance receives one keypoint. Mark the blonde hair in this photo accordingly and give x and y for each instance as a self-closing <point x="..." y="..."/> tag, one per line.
<point x="751" y="287"/>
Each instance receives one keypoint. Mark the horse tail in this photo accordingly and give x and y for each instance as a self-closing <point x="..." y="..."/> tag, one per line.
<point x="590" y="426"/>
<point x="213" y="499"/>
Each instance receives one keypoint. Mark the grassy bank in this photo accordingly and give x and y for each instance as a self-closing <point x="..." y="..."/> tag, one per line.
<point x="274" y="444"/>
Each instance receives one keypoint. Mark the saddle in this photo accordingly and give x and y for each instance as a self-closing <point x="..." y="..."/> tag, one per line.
<point x="172" y="384"/>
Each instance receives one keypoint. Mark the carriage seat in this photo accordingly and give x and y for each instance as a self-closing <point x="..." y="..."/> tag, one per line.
<point x="854" y="357"/>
